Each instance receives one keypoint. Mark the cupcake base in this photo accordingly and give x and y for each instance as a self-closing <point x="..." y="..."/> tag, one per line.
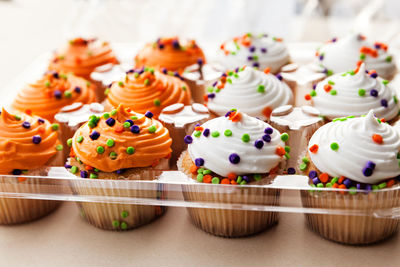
<point x="229" y="222"/>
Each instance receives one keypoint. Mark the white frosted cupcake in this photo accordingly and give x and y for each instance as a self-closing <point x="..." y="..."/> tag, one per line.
<point x="355" y="93"/>
<point x="254" y="92"/>
<point x="360" y="156"/>
<point x="233" y="150"/>
<point x="343" y="54"/>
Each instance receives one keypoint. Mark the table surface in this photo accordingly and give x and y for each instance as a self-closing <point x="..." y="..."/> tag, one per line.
<point x="64" y="239"/>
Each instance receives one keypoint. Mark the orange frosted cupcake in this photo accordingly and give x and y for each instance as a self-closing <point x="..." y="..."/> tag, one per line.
<point x="27" y="145"/>
<point x="124" y="145"/>
<point x="52" y="92"/>
<point x="147" y="90"/>
<point x="170" y="53"/>
<point x="82" y="56"/>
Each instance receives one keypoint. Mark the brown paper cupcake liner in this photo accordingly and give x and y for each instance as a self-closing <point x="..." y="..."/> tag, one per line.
<point x="230" y="222"/>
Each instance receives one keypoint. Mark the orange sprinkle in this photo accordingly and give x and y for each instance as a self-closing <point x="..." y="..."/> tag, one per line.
<point x="335" y="185"/>
<point x="280" y="151"/>
<point x="22" y="179"/>
<point x="267" y="112"/>
<point x="232" y="176"/>
<point x="341" y="179"/>
<point x="233" y="182"/>
<point x="267" y="70"/>
<point x="390" y="183"/>
<point x="41" y="129"/>
<point x="317" y="54"/>
<point x="118" y="129"/>
<point x="88" y="168"/>
<point x="235" y="116"/>
<point x="314" y="148"/>
<point x="205" y="97"/>
<point x="222" y="47"/>
<point x="307" y="97"/>
<point x="29" y="112"/>
<point x="128" y="109"/>
<point x="371" y="71"/>
<point x="327" y="88"/>
<point x="324" y="177"/>
<point x="193" y="169"/>
<point x="224" y="181"/>
<point x="383" y="120"/>
<point x="221" y="86"/>
<point x="207" y="178"/>
<point x="198" y="128"/>
<point x="342" y="186"/>
<point x="377" y="138"/>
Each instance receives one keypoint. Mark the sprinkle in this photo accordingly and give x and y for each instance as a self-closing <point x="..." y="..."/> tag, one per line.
<point x="327" y="88"/>
<point x="152" y="129"/>
<point x="334" y="146"/>
<point x="36" y="139"/>
<point x="188" y="139"/>
<point x="268" y="130"/>
<point x="18" y="118"/>
<point x="93" y="176"/>
<point x="206" y="132"/>
<point x="215" y="180"/>
<point x="280" y="151"/>
<point x="47" y="83"/>
<point x="388" y="59"/>
<point x="312" y="174"/>
<point x="331" y="82"/>
<point x="261" y="88"/>
<point x="197" y="134"/>
<point x="333" y="92"/>
<point x="384" y="103"/>
<point x="314" y="148"/>
<point x="266" y="138"/>
<point x="26" y="125"/>
<point x="234" y="158"/>
<point x="323" y="177"/>
<point x="69" y="142"/>
<point x="373" y="93"/>
<point x="374" y="75"/>
<point x="126" y="125"/>
<point x="287" y="149"/>
<point x="148" y="114"/>
<point x="316" y="180"/>
<point x="130" y="150"/>
<point x="121" y="84"/>
<point x="57" y="94"/>
<point x="303" y="167"/>
<point x="284" y="137"/>
<point x="200" y="177"/>
<point x="367" y="171"/>
<point x="291" y="170"/>
<point x="215" y="134"/>
<point x="157" y="102"/>
<point x="257" y="177"/>
<point x="246" y="138"/>
<point x="94" y="135"/>
<point x="305" y="160"/>
<point x="84" y="174"/>
<point x="377" y="138"/>
<point x="59" y="147"/>
<point x="100" y="149"/>
<point x="113" y="112"/>
<point x="110" y="122"/>
<point x="313" y="93"/>
<point x="74" y="169"/>
<point x="135" y="129"/>
<point x="259" y="144"/>
<point x="361" y="92"/>
<point x="199" y="162"/>
<point x="79" y="139"/>
<point x="55" y="126"/>
<point x="67" y="94"/>
<point x="113" y="155"/>
<point x="385" y="82"/>
<point x="347" y="182"/>
<point x="78" y="90"/>
<point x="225" y="181"/>
<point x="110" y="143"/>
<point x="228" y="133"/>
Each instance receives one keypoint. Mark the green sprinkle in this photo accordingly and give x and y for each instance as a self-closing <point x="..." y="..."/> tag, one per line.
<point x="184" y="88"/>
<point x="69" y="142"/>
<point x="361" y="92"/>
<point x="92" y="124"/>
<point x="106" y="115"/>
<point x="59" y="147"/>
<point x="74" y="169"/>
<point x="215" y="134"/>
<point x="352" y="72"/>
<point x="334" y="180"/>
<point x="64" y="76"/>
<point x="382" y="185"/>
<point x="261" y="88"/>
<point x="124" y="214"/>
<point x="93" y="176"/>
<point x="200" y="178"/>
<point x="215" y="180"/>
<point x="228" y="133"/>
<point x="113" y="112"/>
<point x="210" y="89"/>
<point x="243" y="182"/>
<point x="107" y="91"/>
<point x="115" y="224"/>
<point x="303" y="166"/>
<point x="353" y="190"/>
<point x="197" y="133"/>
<point x="79" y="139"/>
<point x="313" y="93"/>
<point x="47" y="83"/>
<point x="331" y="82"/>
<point x="246" y="138"/>
<point x="375" y="187"/>
<point x="329" y="72"/>
<point x="124" y="226"/>
<point x="130" y="150"/>
<point x="100" y="149"/>
<point x="239" y="179"/>
<point x="110" y="143"/>
<point x="362" y="56"/>
<point x="205" y="172"/>
<point x="18" y="118"/>
<point x="146" y="82"/>
<point x="287" y="156"/>
<point x="334" y="146"/>
<point x="257" y="177"/>
<point x="152" y="129"/>
<point x="88" y="84"/>
<point x="333" y="92"/>
<point x="388" y="59"/>
<point x="284" y="137"/>
<point x="96" y="170"/>
<point x="121" y="83"/>
<point x="136" y="75"/>
<point x="157" y="102"/>
<point x="385" y="82"/>
<point x="200" y="170"/>
<point x="55" y="126"/>
<point x="113" y="155"/>
<point x="134" y="118"/>
<point x="287" y="149"/>
<point x="229" y="80"/>
<point x="305" y="160"/>
<point x="126" y="124"/>
<point x="320" y="185"/>
<point x="328" y="185"/>
<point x="67" y="94"/>
<point x="395" y="99"/>
<point x="78" y="160"/>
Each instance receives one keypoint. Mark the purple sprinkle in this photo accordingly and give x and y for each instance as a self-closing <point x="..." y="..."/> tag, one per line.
<point x="16" y="172"/>
<point x="206" y="132"/>
<point x="234" y="158"/>
<point x="316" y="180"/>
<point x="246" y="178"/>
<point x="84" y="174"/>
<point x="250" y="58"/>
<point x="199" y="162"/>
<point x="252" y="49"/>
<point x="78" y="90"/>
<point x="368" y="187"/>
<point x="224" y="75"/>
<point x="148" y="114"/>
<point x="334" y="40"/>
<point x="237" y="70"/>
<point x="266" y="138"/>
<point x="130" y="122"/>
<point x="57" y="94"/>
<point x="40" y="120"/>
<point x="164" y="70"/>
<point x="67" y="166"/>
<point x="384" y="103"/>
<point x="188" y="139"/>
<point x="200" y="62"/>
<point x="377" y="46"/>
<point x="36" y="139"/>
<point x="26" y="125"/>
<point x="141" y="71"/>
<point x="135" y="129"/>
<point x="314" y="86"/>
<point x="370" y="165"/>
<point x="110" y="122"/>
<point x="268" y="130"/>
<point x="291" y="170"/>
<point x="374" y="75"/>
<point x="321" y="57"/>
<point x="214" y="84"/>
<point x="347" y="183"/>
<point x="367" y="171"/>
<point x="373" y="93"/>
<point x="279" y="76"/>
<point x="175" y="44"/>
<point x="94" y="135"/>
<point x="263" y="50"/>
<point x="161" y="46"/>
<point x="176" y="74"/>
<point x="228" y="113"/>
<point x="212" y="95"/>
<point x="55" y="75"/>
<point x="120" y="171"/>
<point x="197" y="124"/>
<point x="259" y="144"/>
<point x="359" y="186"/>
<point x="256" y="64"/>
<point x="312" y="174"/>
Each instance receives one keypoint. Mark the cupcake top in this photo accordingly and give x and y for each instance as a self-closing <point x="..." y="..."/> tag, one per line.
<point x="343" y="54"/>
<point x="355" y="93"/>
<point x="82" y="56"/>
<point x="252" y="91"/>
<point x="121" y="139"/>
<point x="180" y="115"/>
<point x="148" y="90"/>
<point x="77" y="113"/>
<point x="26" y="142"/>
<point x="53" y="91"/>
<point x="259" y="51"/>
<point x="236" y="143"/>
<point x="362" y="149"/>
<point x="173" y="54"/>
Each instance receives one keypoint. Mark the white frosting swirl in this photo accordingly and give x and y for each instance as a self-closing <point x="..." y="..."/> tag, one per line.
<point x="244" y="95"/>
<point x="344" y="54"/>
<point x="356" y="149"/>
<point x="216" y="150"/>
<point x="347" y="100"/>
<point x="260" y="51"/>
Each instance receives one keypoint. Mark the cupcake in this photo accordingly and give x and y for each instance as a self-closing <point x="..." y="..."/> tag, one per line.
<point x="359" y="158"/>
<point x="51" y="93"/>
<point x="147" y="90"/>
<point x="28" y="145"/>
<point x="172" y="54"/>
<point x="260" y="51"/>
<point x="254" y="92"/>
<point x="354" y="93"/>
<point x="120" y="145"/>
<point x="340" y="55"/>
<point x="233" y="150"/>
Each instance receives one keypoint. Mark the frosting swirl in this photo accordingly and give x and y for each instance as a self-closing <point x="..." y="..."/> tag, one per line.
<point x="252" y="91"/>
<point x="343" y="54"/>
<point x="82" y="56"/>
<point x="360" y="143"/>
<point x="259" y="51"/>
<point x="148" y="90"/>
<point x="238" y="143"/>
<point x="26" y="142"/>
<point x="355" y="93"/>
<point x="121" y="139"/>
<point x="170" y="53"/>
<point x="52" y="92"/>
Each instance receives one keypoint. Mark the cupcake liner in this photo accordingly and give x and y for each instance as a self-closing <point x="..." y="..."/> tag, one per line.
<point x="229" y="222"/>
<point x="19" y="210"/>
<point x="114" y="216"/>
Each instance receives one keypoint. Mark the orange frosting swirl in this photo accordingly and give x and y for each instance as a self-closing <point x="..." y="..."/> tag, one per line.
<point x="52" y="92"/>
<point x="171" y="54"/>
<point x="148" y="90"/>
<point x="82" y="57"/>
<point x="121" y="139"/>
<point x="26" y="142"/>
